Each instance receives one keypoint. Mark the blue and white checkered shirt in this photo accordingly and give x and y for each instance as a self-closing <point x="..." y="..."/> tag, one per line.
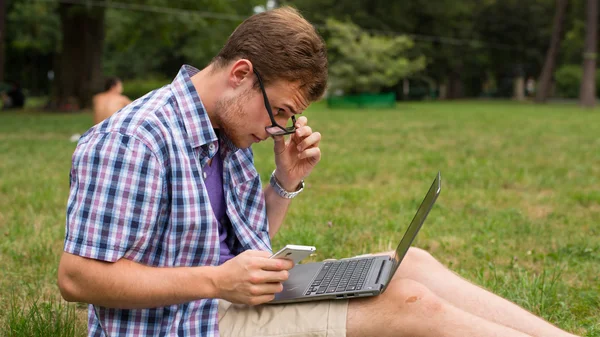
<point x="137" y="193"/>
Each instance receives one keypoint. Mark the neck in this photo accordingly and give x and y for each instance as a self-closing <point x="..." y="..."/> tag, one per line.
<point x="209" y="87"/>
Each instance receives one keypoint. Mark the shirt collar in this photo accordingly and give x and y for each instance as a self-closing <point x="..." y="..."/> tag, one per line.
<point x="195" y="118"/>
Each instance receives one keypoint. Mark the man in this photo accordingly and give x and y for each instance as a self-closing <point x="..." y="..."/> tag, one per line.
<point x="167" y="224"/>
<point x="110" y="100"/>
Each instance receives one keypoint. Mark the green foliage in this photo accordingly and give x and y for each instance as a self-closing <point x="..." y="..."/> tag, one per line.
<point x="365" y="63"/>
<point x="568" y="81"/>
<point x="465" y="39"/>
<point x="34" y="27"/>
<point x="139" y="43"/>
<point x="387" y="100"/>
<point x="573" y="41"/>
<point x="139" y="87"/>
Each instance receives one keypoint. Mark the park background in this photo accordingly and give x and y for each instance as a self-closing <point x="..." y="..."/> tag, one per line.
<point x="498" y="95"/>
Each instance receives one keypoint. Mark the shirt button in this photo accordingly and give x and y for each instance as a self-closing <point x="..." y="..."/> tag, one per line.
<point x="204" y="174"/>
<point x="211" y="147"/>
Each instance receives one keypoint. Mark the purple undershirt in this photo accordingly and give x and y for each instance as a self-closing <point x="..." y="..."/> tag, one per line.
<point x="213" y="181"/>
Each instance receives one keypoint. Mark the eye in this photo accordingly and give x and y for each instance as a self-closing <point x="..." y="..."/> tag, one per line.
<point x="279" y="112"/>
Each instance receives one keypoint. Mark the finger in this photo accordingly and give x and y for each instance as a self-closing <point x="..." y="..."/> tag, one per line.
<point x="260" y="299"/>
<point x="279" y="144"/>
<point x="303" y="131"/>
<point x="301" y="121"/>
<point x="266" y="289"/>
<point x="276" y="264"/>
<point x="257" y="253"/>
<point x="310" y="141"/>
<point x="313" y="153"/>
<point x="264" y="277"/>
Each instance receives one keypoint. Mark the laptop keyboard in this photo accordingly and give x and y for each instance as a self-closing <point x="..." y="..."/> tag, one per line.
<point x="344" y="275"/>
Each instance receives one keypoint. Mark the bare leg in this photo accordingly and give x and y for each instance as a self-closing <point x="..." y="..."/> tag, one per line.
<point x="408" y="308"/>
<point x="420" y="266"/>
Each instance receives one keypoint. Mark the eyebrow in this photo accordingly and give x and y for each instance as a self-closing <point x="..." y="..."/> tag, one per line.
<point x="290" y="108"/>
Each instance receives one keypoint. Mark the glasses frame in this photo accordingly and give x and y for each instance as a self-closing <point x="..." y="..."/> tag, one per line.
<point x="280" y="130"/>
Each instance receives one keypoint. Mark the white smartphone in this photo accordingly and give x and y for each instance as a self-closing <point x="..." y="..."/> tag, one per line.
<point x="295" y="253"/>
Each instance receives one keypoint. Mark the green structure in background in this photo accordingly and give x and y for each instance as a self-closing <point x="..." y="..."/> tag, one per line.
<point x="386" y="100"/>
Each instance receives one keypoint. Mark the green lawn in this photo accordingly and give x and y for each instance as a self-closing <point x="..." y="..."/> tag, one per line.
<point x="519" y="211"/>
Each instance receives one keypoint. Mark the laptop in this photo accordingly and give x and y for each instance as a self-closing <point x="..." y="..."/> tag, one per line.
<point x="353" y="277"/>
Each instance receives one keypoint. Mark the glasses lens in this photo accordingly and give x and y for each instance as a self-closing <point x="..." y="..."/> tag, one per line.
<point x="277" y="130"/>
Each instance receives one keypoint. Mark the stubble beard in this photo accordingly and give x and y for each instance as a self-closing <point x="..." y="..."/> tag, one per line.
<point x="232" y="119"/>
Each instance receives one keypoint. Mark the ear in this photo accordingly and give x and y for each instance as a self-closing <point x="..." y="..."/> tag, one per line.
<point x="240" y="73"/>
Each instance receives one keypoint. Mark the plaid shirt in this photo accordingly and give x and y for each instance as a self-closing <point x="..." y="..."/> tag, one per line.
<point x="137" y="193"/>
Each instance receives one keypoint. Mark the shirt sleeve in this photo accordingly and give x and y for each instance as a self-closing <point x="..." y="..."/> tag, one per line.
<point x="114" y="200"/>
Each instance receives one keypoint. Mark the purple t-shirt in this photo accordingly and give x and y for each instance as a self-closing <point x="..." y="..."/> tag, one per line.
<point x="213" y="180"/>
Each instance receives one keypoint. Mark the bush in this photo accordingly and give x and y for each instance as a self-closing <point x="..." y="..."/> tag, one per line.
<point x="139" y="87"/>
<point x="387" y="100"/>
<point x="568" y="81"/>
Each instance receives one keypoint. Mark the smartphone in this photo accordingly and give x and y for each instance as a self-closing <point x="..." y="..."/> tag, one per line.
<point x="295" y="253"/>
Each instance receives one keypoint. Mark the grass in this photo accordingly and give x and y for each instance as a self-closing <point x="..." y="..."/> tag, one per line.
<point x="519" y="211"/>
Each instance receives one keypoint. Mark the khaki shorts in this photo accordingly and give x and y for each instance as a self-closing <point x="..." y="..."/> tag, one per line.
<point x="314" y="319"/>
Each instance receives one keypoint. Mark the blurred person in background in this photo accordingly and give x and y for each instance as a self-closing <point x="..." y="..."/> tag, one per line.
<point x="109" y="101"/>
<point x="13" y="98"/>
<point x="530" y="87"/>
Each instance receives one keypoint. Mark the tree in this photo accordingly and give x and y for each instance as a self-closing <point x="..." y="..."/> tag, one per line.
<point x="79" y="68"/>
<point x="32" y="42"/>
<point x="429" y="24"/>
<point x="467" y="43"/>
<point x="162" y="37"/>
<point x="365" y="63"/>
<point x="2" y="38"/>
<point x="552" y="54"/>
<point x="515" y="34"/>
<point x="587" y="93"/>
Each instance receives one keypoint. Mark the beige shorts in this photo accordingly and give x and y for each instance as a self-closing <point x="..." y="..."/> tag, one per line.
<point x="314" y="319"/>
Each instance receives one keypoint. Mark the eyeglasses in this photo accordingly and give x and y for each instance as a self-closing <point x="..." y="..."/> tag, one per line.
<point x="275" y="129"/>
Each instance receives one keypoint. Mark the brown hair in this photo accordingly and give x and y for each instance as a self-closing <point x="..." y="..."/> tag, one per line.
<point x="281" y="45"/>
<point x="111" y="82"/>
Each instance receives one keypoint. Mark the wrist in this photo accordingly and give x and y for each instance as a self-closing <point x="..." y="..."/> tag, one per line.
<point x="282" y="190"/>
<point x="290" y="186"/>
<point x="209" y="277"/>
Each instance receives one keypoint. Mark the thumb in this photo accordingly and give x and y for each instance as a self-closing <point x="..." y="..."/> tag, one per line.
<point x="258" y="253"/>
<point x="279" y="144"/>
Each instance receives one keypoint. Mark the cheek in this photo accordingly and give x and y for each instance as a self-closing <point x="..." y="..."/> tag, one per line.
<point x="248" y="115"/>
<point x="258" y="113"/>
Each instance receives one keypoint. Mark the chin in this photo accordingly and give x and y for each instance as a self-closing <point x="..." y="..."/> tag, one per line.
<point x="243" y="144"/>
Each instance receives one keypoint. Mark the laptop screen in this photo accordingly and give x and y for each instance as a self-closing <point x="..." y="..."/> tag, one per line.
<point x="416" y="224"/>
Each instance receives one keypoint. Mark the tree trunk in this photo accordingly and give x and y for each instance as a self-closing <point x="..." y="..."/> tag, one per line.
<point x="443" y="91"/>
<point x="79" y="71"/>
<point x="519" y="83"/>
<point x="2" y="38"/>
<point x="587" y="92"/>
<point x="455" y="83"/>
<point x="519" y="89"/>
<point x="552" y="53"/>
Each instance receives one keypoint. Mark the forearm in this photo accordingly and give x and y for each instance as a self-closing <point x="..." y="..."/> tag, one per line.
<point x="277" y="208"/>
<point x="128" y="285"/>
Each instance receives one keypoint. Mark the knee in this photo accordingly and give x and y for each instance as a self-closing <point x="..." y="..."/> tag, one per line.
<point x="419" y="256"/>
<point x="413" y="299"/>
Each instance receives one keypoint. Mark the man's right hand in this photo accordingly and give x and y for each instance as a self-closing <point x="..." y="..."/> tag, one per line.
<point x="251" y="277"/>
